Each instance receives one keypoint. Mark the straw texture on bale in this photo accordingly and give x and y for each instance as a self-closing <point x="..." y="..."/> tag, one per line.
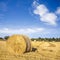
<point x="19" y="43"/>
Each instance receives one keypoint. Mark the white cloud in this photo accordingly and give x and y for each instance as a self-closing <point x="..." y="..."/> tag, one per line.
<point x="35" y="3"/>
<point x="21" y="31"/>
<point x="32" y="32"/>
<point x="41" y="10"/>
<point x="45" y="15"/>
<point x="49" y="18"/>
<point x="58" y="10"/>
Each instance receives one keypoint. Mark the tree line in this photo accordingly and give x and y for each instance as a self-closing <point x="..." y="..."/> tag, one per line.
<point x="4" y="38"/>
<point x="37" y="39"/>
<point x="46" y="39"/>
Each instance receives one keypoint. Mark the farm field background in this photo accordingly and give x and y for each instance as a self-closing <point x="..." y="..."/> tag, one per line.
<point x="38" y="19"/>
<point x="41" y="50"/>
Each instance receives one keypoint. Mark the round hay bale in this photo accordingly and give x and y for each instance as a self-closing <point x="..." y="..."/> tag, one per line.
<point x="34" y="40"/>
<point x="19" y="43"/>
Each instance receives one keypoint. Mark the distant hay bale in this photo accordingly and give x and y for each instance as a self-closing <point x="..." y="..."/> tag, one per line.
<point x="34" y="40"/>
<point x="19" y="43"/>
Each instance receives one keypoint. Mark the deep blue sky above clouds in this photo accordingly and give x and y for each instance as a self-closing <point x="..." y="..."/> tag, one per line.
<point x="35" y="18"/>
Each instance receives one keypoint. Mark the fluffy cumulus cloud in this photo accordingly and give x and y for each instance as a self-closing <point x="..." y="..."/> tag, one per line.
<point x="44" y="13"/>
<point x="41" y="10"/>
<point x="49" y="18"/>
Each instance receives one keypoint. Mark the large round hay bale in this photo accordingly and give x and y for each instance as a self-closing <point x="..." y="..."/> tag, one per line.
<point x="19" y="43"/>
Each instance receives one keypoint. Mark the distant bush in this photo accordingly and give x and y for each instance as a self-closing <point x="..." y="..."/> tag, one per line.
<point x="6" y="37"/>
<point x="1" y="38"/>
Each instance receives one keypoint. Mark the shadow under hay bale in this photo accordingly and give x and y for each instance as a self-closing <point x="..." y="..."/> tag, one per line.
<point x="34" y="49"/>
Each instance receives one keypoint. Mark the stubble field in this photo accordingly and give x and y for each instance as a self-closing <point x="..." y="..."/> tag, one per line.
<point x="40" y="51"/>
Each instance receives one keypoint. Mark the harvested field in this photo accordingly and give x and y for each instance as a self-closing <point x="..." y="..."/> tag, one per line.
<point x="41" y="51"/>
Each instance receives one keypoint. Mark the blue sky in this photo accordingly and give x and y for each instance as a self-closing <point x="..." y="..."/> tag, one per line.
<point x="35" y="18"/>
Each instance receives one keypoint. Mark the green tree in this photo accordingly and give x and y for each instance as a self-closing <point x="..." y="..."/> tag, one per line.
<point x="6" y="37"/>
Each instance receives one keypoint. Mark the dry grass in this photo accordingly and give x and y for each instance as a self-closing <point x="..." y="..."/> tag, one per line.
<point x="45" y="51"/>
